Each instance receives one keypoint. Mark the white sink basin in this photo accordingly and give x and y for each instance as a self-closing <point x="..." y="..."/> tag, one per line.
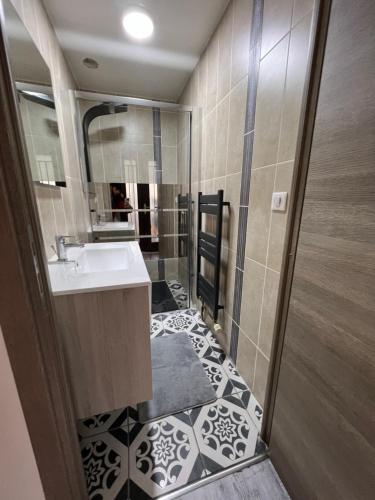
<point x="99" y="266"/>
<point x="98" y="260"/>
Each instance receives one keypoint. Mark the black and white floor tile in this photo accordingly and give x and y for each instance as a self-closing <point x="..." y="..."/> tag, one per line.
<point x="218" y="378"/>
<point x="178" y="292"/>
<point x="105" y="462"/>
<point x="163" y="456"/>
<point x="126" y="459"/>
<point x="225" y="433"/>
<point x="102" y="423"/>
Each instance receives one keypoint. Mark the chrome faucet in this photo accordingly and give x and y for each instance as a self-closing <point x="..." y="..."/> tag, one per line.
<point x="62" y="245"/>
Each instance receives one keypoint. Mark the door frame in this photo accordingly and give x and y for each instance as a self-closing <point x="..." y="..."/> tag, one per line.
<point x="27" y="313"/>
<point x="305" y="134"/>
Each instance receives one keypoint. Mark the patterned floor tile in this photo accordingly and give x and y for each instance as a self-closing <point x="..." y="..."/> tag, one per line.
<point x="252" y="406"/>
<point x="200" y="344"/>
<point x="199" y="328"/>
<point x="105" y="463"/>
<point x="218" y="378"/>
<point x="225" y="433"/>
<point x="163" y="456"/>
<point x="157" y="327"/>
<point x="238" y="382"/>
<point x="102" y="422"/>
<point x="178" y="292"/>
<point x="179" y="323"/>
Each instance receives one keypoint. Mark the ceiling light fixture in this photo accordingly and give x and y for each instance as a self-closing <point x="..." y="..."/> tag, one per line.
<point x="138" y="24"/>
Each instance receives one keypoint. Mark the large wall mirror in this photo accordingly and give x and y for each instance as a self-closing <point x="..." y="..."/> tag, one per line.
<point x="35" y="96"/>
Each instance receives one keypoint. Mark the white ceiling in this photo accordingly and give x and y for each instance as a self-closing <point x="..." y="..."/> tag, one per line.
<point x="158" y="68"/>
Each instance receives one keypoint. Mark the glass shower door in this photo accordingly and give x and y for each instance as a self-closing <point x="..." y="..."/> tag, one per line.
<point x="139" y="171"/>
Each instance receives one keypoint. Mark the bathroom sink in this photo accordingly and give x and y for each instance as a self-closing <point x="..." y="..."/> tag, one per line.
<point x="100" y="259"/>
<point x="99" y="266"/>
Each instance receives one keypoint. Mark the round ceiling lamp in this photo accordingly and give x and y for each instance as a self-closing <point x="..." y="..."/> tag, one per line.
<point x="138" y="24"/>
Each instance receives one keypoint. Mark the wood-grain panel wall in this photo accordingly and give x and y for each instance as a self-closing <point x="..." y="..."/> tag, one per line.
<point x="323" y="430"/>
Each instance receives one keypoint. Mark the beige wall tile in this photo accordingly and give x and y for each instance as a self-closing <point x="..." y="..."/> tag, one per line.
<point x="169" y="161"/>
<point x="252" y="294"/>
<point x="258" y="223"/>
<point x="237" y="112"/>
<point x="127" y="123"/>
<point x="241" y="39"/>
<point x="209" y="139"/>
<point x="145" y="129"/>
<point x="295" y="81"/>
<point x="212" y="65"/>
<point x="202" y="86"/>
<point x="225" y="53"/>
<point x="260" y="379"/>
<point x="109" y="128"/>
<point x="168" y="123"/>
<point x="269" y="104"/>
<point x="222" y="117"/>
<point x="271" y="288"/>
<point x="300" y="9"/>
<point x="277" y="17"/>
<point x="96" y="162"/>
<point x="145" y="163"/>
<point x="283" y="183"/>
<point x="246" y="359"/>
<point x="112" y="161"/>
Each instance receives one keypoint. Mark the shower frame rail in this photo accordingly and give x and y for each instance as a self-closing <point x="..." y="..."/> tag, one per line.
<point x="209" y="248"/>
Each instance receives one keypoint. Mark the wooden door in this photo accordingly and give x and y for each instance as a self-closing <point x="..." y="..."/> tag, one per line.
<point x="323" y="433"/>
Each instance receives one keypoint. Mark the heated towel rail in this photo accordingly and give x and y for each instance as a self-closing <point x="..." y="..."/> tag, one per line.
<point x="209" y="248"/>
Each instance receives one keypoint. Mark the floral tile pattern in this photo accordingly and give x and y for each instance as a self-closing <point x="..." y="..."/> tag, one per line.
<point x="179" y="322"/>
<point x="225" y="433"/>
<point x="125" y="459"/>
<point x="105" y="462"/>
<point x="163" y="456"/>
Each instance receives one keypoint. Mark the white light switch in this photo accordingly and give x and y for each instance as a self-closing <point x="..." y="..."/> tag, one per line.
<point x="279" y="201"/>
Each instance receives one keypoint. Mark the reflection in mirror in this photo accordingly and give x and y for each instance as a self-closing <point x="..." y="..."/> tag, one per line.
<point x="36" y="102"/>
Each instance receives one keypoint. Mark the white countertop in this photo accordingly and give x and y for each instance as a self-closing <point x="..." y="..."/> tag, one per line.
<point x="99" y="266"/>
<point x="113" y="226"/>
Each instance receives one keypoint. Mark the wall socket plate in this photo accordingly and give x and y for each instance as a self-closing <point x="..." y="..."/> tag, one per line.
<point x="279" y="200"/>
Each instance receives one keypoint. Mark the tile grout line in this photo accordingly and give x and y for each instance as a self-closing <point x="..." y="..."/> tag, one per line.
<point x="252" y="86"/>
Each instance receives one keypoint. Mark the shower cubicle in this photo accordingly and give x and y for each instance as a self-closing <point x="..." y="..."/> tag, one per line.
<point x="137" y="156"/>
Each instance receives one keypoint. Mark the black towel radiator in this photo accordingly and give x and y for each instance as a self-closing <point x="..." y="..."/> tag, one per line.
<point x="209" y="248"/>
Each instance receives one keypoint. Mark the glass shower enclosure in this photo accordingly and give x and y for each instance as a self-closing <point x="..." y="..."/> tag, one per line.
<point x="137" y="156"/>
